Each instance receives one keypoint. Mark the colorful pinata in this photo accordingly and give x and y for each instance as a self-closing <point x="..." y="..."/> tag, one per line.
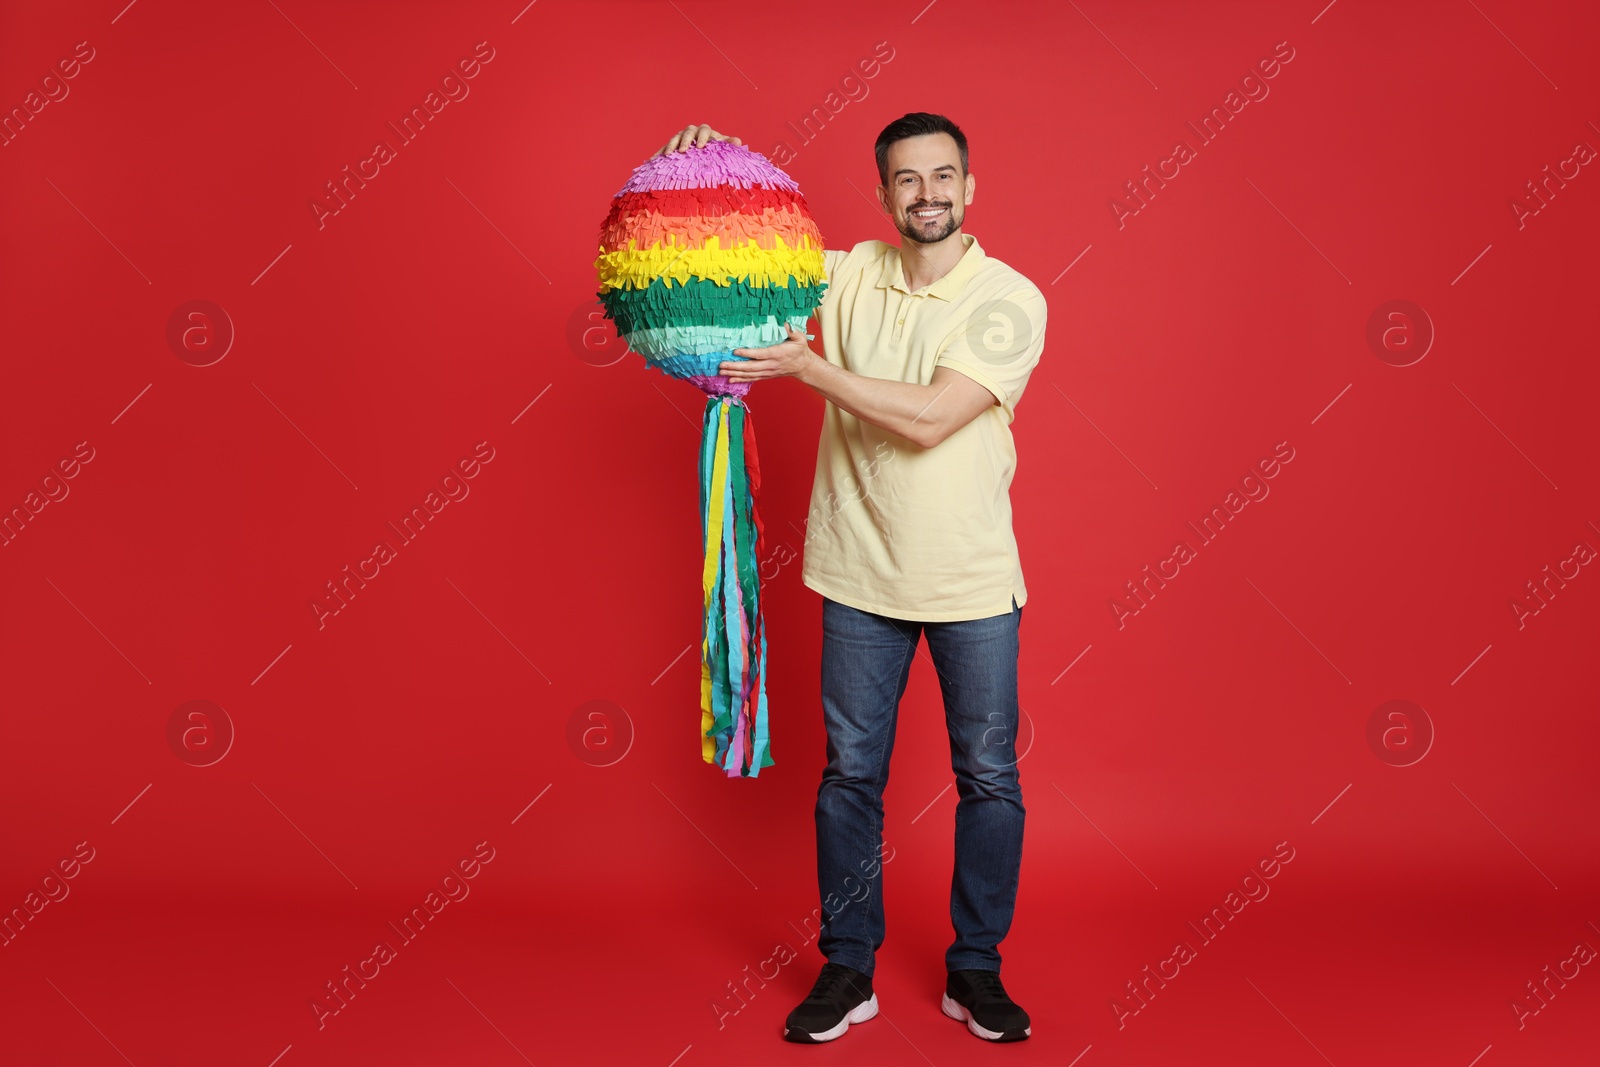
<point x="705" y="251"/>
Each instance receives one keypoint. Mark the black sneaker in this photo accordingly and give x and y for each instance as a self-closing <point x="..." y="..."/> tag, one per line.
<point x="841" y="996"/>
<point x="978" y="999"/>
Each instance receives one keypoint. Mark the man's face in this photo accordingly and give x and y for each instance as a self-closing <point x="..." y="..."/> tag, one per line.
<point x="927" y="195"/>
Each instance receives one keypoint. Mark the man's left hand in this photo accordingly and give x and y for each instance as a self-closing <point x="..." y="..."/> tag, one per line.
<point x="787" y="358"/>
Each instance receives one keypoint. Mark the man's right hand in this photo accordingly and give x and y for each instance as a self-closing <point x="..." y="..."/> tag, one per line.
<point x="693" y="137"/>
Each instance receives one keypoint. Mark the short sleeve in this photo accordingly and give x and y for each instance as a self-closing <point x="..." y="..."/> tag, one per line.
<point x="998" y="344"/>
<point x="831" y="258"/>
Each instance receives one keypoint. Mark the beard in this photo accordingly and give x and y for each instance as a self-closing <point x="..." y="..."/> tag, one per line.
<point x="930" y="233"/>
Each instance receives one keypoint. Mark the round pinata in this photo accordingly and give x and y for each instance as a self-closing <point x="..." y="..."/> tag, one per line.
<point x="704" y="251"/>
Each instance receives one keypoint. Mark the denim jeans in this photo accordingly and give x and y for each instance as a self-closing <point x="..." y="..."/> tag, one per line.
<point x="866" y="661"/>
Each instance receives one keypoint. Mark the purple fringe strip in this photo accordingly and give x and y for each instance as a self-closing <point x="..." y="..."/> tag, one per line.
<point x="715" y="163"/>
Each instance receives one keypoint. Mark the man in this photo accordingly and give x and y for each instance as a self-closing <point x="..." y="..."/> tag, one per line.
<point x="927" y="349"/>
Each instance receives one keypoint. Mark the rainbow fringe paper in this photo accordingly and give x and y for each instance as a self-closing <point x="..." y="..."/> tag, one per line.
<point x="705" y="251"/>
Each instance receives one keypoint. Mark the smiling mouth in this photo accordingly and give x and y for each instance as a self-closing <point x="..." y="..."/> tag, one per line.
<point x="927" y="215"/>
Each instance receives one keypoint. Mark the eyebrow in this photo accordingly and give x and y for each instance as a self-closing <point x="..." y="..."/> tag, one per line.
<point x="942" y="166"/>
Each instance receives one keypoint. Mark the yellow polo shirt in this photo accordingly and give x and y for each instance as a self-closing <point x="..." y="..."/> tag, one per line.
<point x="894" y="528"/>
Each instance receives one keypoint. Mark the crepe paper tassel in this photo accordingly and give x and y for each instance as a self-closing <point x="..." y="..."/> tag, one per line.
<point x="705" y="251"/>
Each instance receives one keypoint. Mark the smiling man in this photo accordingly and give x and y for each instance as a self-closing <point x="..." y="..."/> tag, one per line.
<point x="927" y="347"/>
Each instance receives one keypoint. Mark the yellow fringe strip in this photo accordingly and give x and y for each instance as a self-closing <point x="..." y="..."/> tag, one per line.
<point x="748" y="263"/>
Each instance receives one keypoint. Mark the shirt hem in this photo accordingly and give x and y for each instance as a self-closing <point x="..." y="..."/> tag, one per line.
<point x="958" y="615"/>
<point x="972" y="372"/>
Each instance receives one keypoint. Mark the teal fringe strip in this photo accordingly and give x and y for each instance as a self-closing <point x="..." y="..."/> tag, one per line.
<point x="738" y="660"/>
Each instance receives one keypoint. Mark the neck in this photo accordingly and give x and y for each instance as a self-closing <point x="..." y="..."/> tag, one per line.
<point x="925" y="264"/>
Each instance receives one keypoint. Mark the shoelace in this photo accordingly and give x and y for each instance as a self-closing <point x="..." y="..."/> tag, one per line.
<point x="986" y="986"/>
<point x="830" y="983"/>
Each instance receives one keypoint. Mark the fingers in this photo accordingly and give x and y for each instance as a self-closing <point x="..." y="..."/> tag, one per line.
<point x="694" y="136"/>
<point x="690" y="136"/>
<point x="673" y="142"/>
<point x="748" y="370"/>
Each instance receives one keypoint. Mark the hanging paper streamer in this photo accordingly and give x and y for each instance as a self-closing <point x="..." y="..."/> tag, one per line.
<point x="705" y="251"/>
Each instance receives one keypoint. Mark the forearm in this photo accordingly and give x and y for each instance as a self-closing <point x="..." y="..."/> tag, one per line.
<point x="902" y="408"/>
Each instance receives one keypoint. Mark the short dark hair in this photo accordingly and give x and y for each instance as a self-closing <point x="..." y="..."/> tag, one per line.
<point x="916" y="124"/>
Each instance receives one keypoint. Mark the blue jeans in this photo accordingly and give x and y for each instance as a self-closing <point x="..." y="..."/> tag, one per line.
<point x="866" y="660"/>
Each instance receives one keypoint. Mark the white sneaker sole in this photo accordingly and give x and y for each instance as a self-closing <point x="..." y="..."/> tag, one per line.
<point x="858" y="1014"/>
<point x="960" y="1014"/>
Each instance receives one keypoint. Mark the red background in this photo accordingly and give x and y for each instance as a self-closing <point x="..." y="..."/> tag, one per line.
<point x="436" y="311"/>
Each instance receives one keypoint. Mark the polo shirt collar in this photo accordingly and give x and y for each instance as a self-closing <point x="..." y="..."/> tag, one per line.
<point x="947" y="287"/>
